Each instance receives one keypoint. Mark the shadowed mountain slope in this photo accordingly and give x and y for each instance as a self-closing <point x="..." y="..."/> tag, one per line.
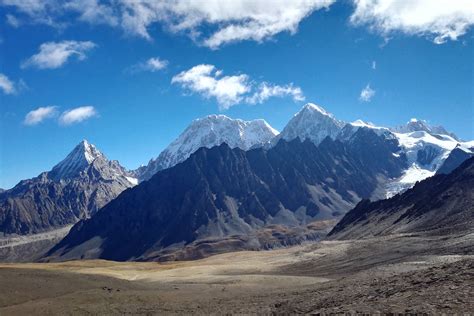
<point x="442" y="204"/>
<point x="220" y="192"/>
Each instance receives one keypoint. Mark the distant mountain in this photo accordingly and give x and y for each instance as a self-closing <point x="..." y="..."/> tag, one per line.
<point x="210" y="131"/>
<point x="422" y="146"/>
<point x="74" y="189"/>
<point x="415" y="125"/>
<point x="313" y="123"/>
<point x="222" y="192"/>
<point x="442" y="204"/>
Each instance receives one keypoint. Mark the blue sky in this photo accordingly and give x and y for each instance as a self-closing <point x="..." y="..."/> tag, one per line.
<point x="95" y="81"/>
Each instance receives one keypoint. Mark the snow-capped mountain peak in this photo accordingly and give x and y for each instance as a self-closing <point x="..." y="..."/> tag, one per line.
<point x="77" y="160"/>
<point x="360" y="123"/>
<point x="313" y="107"/>
<point x="210" y="131"/>
<point x="86" y="156"/>
<point x="416" y="125"/>
<point x="312" y="122"/>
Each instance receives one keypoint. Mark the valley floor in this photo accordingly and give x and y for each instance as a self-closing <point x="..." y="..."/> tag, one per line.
<point x="391" y="274"/>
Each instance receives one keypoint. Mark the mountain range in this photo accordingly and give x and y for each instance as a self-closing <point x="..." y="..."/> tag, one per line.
<point x="86" y="180"/>
<point x="220" y="192"/>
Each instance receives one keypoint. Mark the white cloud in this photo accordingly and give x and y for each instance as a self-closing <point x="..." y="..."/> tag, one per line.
<point x="211" y="23"/>
<point x="438" y="19"/>
<point x="6" y="85"/>
<point x="209" y="82"/>
<point x="153" y="64"/>
<point x="266" y="91"/>
<point x="77" y="115"/>
<point x="53" y="55"/>
<point x="367" y="94"/>
<point x="232" y="21"/>
<point x="12" y="20"/>
<point x="36" y="11"/>
<point x="374" y="65"/>
<point x="93" y="12"/>
<point x="40" y="114"/>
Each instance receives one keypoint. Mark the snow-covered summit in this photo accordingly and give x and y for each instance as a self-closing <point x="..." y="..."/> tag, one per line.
<point x="360" y="123"/>
<point x="311" y="122"/>
<point x="77" y="160"/>
<point x="82" y="157"/>
<point x="210" y="131"/>
<point x="416" y="125"/>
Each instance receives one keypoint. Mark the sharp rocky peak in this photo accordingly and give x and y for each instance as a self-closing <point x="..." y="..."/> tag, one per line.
<point x="77" y="160"/>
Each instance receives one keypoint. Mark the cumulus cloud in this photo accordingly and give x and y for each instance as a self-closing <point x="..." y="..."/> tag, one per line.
<point x="53" y="55"/>
<point x="440" y="20"/>
<point x="207" y="81"/>
<point x="153" y="64"/>
<point x="77" y="115"/>
<point x="231" y="20"/>
<point x="367" y="94"/>
<point x="6" y="85"/>
<point x="211" y="23"/>
<point x="210" y="82"/>
<point x="40" y="114"/>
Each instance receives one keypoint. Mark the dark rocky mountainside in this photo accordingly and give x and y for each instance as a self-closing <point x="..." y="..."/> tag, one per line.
<point x="221" y="192"/>
<point x="442" y="204"/>
<point x="74" y="189"/>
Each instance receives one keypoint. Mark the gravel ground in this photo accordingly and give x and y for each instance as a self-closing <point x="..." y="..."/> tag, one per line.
<point x="396" y="274"/>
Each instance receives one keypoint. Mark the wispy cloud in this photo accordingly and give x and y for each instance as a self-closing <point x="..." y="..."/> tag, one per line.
<point x="40" y="114"/>
<point x="12" y="20"/>
<point x="53" y="55"/>
<point x="266" y="91"/>
<point x="374" y="65"/>
<point x="440" y="20"/>
<point x="210" y="82"/>
<point x="153" y="64"/>
<point x="367" y="94"/>
<point x="77" y="115"/>
<point x="6" y="85"/>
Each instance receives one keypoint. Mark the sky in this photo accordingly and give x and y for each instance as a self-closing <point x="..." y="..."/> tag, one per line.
<point x="129" y="76"/>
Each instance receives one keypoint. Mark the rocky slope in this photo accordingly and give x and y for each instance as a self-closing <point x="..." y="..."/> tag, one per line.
<point x="74" y="189"/>
<point x="442" y="204"/>
<point x="210" y="131"/>
<point x="220" y="192"/>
